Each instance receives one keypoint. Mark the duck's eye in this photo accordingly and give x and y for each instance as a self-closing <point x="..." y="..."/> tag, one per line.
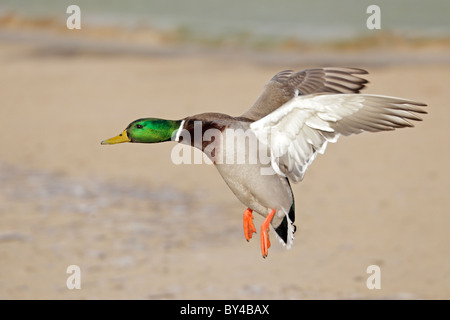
<point x="139" y="126"/>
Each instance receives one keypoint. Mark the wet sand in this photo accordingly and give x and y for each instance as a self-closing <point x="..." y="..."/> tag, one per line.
<point x="141" y="227"/>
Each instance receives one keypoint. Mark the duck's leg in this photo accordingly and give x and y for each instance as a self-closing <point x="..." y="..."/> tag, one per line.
<point x="249" y="227"/>
<point x="265" y="242"/>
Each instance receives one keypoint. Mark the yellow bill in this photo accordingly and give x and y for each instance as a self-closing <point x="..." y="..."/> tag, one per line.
<point x="123" y="137"/>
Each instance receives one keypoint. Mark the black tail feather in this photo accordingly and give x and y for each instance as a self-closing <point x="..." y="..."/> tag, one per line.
<point x="282" y="229"/>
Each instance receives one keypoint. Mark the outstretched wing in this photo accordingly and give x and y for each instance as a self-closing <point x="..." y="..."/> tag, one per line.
<point x="301" y="128"/>
<point x="288" y="84"/>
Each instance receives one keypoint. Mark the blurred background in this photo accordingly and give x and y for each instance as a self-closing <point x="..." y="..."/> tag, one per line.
<point x="141" y="227"/>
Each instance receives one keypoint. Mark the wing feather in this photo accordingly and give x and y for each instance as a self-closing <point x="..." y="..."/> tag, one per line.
<point x="287" y="84"/>
<point x="301" y="128"/>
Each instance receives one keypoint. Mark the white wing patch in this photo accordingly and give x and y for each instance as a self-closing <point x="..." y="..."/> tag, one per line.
<point x="301" y="128"/>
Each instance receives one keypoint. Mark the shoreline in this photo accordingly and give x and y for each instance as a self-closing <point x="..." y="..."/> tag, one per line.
<point x="49" y="36"/>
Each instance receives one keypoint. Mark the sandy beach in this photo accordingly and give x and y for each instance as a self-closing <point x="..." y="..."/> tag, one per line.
<point x="141" y="227"/>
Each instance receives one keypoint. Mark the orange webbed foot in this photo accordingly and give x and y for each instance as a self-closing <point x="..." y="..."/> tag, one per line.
<point x="265" y="242"/>
<point x="249" y="227"/>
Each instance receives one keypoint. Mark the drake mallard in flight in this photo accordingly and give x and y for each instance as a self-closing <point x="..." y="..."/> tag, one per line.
<point x="292" y="121"/>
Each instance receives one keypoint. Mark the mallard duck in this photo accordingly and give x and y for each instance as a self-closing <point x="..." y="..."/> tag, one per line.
<point x="291" y="122"/>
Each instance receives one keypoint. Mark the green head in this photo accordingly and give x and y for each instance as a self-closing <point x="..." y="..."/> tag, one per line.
<point x="148" y="130"/>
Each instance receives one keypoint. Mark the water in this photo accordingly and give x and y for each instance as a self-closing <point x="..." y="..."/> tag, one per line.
<point x="320" y="20"/>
